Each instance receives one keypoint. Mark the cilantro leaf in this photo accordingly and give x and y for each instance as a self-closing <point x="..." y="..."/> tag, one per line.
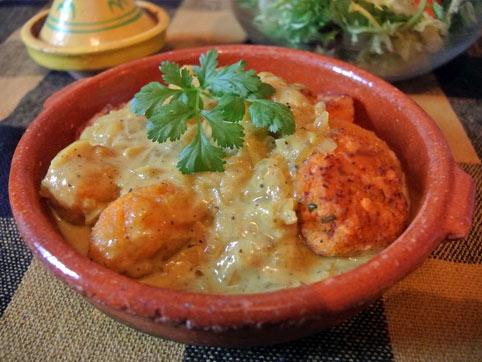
<point x="225" y="133"/>
<point x="234" y="89"/>
<point x="151" y="95"/>
<point x="189" y="98"/>
<point x="275" y="116"/>
<point x="231" y="107"/>
<point x="265" y="90"/>
<point x="173" y="74"/>
<point x="201" y="156"/>
<point x="235" y="80"/>
<point x="169" y="122"/>
<point x="207" y="69"/>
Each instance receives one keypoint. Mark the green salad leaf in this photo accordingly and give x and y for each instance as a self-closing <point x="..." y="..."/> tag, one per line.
<point x="376" y="34"/>
<point x="171" y="110"/>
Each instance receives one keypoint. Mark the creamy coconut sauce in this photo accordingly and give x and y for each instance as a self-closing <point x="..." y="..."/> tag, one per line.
<point x="253" y="244"/>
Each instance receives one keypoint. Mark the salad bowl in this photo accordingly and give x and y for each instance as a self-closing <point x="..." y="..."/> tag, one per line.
<point x="394" y="39"/>
<point x="442" y="199"/>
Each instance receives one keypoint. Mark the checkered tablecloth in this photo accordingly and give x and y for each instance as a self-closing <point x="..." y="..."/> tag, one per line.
<point x="435" y="314"/>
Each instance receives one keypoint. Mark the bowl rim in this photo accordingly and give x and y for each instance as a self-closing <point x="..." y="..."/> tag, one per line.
<point x="217" y="312"/>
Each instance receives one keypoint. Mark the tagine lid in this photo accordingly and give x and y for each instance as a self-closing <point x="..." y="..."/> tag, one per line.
<point x="94" y="34"/>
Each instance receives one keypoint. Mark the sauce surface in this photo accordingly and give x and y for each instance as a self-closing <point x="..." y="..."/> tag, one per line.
<point x="252" y="243"/>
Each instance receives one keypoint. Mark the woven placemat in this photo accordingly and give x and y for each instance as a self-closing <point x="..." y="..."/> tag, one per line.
<point x="433" y="315"/>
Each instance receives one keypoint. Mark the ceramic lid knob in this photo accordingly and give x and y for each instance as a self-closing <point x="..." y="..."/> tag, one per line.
<point x="93" y="22"/>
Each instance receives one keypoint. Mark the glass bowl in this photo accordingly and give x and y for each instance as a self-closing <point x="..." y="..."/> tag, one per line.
<point x="396" y="52"/>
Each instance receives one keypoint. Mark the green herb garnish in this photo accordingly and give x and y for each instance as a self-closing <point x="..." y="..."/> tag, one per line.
<point x="170" y="111"/>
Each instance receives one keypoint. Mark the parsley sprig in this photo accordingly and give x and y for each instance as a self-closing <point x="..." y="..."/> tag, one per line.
<point x="171" y="110"/>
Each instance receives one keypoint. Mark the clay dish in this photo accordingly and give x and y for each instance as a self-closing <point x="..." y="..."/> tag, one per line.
<point x="442" y="198"/>
<point x="90" y="35"/>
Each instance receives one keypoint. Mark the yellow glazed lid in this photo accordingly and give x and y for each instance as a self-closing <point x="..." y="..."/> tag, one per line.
<point x="85" y="35"/>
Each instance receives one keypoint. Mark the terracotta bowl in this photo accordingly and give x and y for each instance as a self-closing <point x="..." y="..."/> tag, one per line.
<point x="442" y="203"/>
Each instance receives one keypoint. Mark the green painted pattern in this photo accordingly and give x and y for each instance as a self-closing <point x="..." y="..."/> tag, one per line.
<point x="85" y="31"/>
<point x="92" y="23"/>
<point x="116" y="4"/>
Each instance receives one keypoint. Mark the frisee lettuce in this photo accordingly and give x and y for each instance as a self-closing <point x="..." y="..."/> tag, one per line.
<point x="366" y="32"/>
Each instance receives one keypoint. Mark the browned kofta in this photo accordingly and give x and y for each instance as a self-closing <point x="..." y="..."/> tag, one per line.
<point x="147" y="224"/>
<point x="354" y="198"/>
